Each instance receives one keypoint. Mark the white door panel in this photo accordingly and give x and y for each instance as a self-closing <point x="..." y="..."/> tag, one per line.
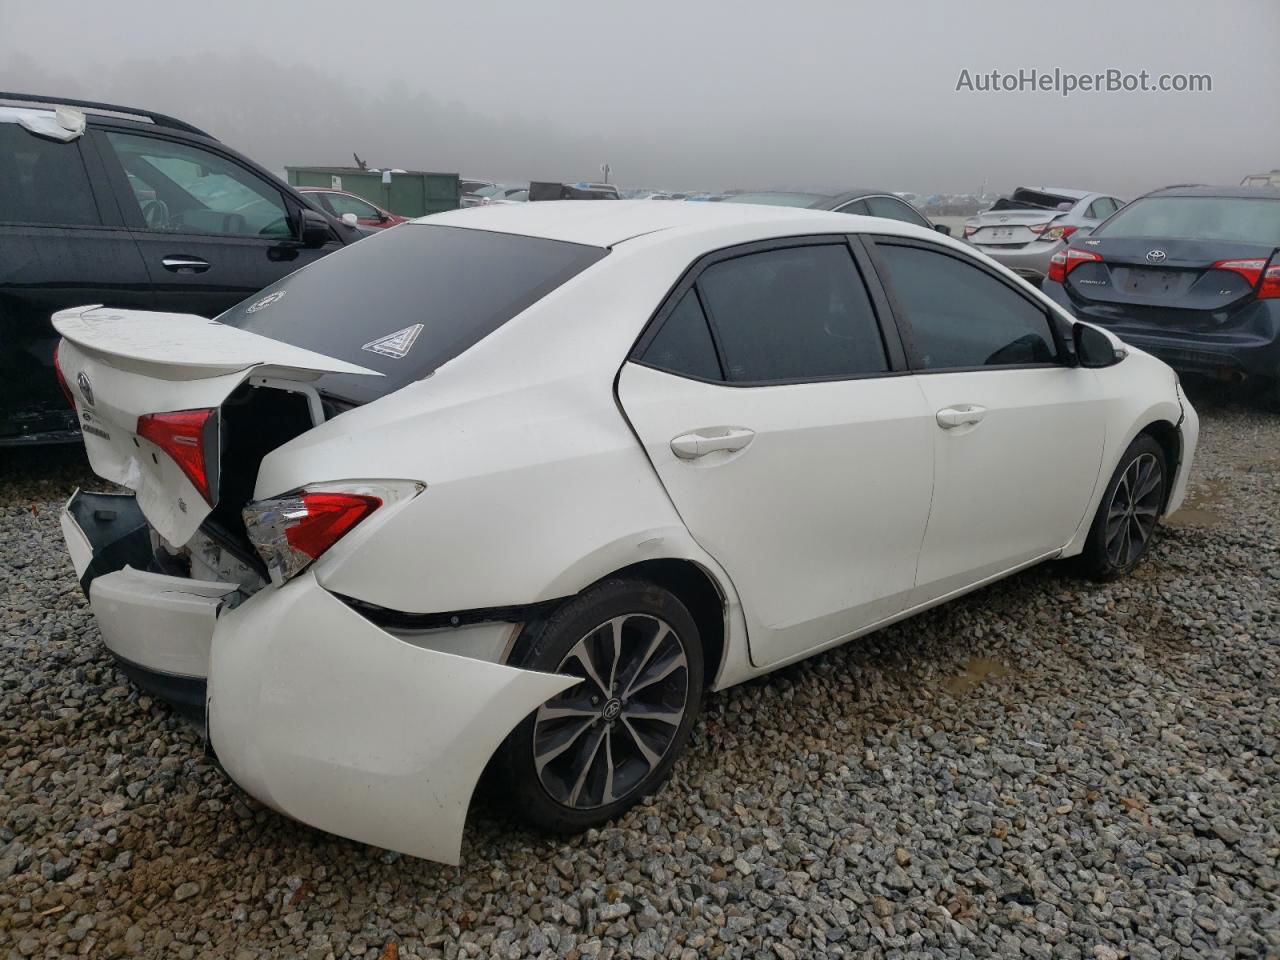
<point x="812" y="496"/>
<point x="1017" y="453"/>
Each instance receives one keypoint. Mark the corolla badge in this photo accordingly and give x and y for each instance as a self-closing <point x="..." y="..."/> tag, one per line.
<point x="86" y="388"/>
<point x="266" y="301"/>
<point x="1156" y="256"/>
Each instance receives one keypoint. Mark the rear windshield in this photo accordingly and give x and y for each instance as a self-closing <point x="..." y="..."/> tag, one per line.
<point x="408" y="300"/>
<point x="1238" y="219"/>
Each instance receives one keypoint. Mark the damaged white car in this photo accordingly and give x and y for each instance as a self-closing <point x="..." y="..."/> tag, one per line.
<point x="519" y="485"/>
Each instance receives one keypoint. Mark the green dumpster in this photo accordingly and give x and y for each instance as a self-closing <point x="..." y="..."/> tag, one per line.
<point x="409" y="193"/>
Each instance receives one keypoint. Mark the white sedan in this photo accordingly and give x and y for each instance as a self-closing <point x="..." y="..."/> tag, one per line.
<point x="520" y="485"/>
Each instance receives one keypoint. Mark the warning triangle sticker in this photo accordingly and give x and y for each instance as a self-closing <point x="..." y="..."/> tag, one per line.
<point x="395" y="344"/>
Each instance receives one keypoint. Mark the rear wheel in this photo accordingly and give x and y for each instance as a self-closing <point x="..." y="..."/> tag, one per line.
<point x="1126" y="518"/>
<point x="592" y="751"/>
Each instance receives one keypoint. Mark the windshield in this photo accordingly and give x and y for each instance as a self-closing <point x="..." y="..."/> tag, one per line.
<point x="408" y="300"/>
<point x="779" y="199"/>
<point x="1239" y="219"/>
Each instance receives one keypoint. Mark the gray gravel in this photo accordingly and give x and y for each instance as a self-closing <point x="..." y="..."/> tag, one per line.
<point x="1047" y="768"/>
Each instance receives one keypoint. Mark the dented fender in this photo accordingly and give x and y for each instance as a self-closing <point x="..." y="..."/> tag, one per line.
<point x="331" y="720"/>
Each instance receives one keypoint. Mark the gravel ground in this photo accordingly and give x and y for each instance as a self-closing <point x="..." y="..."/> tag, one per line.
<point x="1046" y="768"/>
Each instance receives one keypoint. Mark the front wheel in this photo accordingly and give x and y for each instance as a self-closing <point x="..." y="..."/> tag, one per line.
<point x="1126" y="518"/>
<point x="594" y="750"/>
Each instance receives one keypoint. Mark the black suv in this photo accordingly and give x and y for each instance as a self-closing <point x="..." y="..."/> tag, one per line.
<point x="107" y="204"/>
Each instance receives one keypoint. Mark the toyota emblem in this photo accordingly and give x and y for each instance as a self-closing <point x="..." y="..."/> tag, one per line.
<point x="86" y="388"/>
<point x="1156" y="256"/>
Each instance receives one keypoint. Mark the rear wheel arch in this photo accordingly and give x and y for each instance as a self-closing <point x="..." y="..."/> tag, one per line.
<point x="693" y="585"/>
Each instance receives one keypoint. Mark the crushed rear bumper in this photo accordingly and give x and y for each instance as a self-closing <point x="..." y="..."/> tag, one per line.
<point x="312" y="708"/>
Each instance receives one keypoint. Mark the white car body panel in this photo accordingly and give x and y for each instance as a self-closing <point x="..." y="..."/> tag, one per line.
<point x="851" y="463"/>
<point x="536" y="486"/>
<point x="325" y="717"/>
<point x="162" y="621"/>
<point x="992" y="511"/>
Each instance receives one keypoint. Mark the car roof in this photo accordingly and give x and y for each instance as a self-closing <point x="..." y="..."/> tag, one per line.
<point x="1204" y="190"/>
<point x="606" y="224"/>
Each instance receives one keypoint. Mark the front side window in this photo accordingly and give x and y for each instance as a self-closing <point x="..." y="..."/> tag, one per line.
<point x="683" y="345"/>
<point x="959" y="316"/>
<point x="892" y="209"/>
<point x="1241" y="219"/>
<point x="793" y="314"/>
<point x="184" y="189"/>
<point x="43" y="181"/>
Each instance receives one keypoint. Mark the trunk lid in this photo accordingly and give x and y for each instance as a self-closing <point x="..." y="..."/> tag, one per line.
<point x="1009" y="227"/>
<point x="1169" y="282"/>
<point x="120" y="365"/>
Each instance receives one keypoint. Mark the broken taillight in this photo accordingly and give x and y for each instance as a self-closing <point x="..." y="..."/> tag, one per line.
<point x="290" y="531"/>
<point x="62" y="378"/>
<point x="190" y="438"/>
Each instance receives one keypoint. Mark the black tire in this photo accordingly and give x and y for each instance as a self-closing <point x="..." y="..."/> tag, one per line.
<point x="1124" y="525"/>
<point x="635" y="750"/>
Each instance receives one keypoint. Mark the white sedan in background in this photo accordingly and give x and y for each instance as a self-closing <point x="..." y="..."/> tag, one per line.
<point x="520" y="485"/>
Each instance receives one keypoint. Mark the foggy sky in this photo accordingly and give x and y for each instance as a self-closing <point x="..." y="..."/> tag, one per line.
<point x="682" y="93"/>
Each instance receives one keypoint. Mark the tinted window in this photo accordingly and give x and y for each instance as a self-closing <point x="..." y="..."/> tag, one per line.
<point x="458" y="284"/>
<point x="683" y="344"/>
<point x="184" y="189"/>
<point x="1240" y="219"/>
<point x="43" y="181"/>
<point x="962" y="317"/>
<point x="855" y="206"/>
<point x="341" y="203"/>
<point x="894" y="210"/>
<point x="791" y="314"/>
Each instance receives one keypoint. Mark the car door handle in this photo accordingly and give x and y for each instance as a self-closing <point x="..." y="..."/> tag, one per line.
<point x="690" y="446"/>
<point x="960" y="415"/>
<point x="185" y="264"/>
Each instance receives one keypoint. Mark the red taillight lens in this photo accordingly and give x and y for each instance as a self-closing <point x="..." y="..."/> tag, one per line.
<point x="1058" y="233"/>
<point x="62" y="379"/>
<point x="328" y="517"/>
<point x="1064" y="261"/>
<point x="189" y="437"/>
<point x="969" y="231"/>
<point x="1254" y="271"/>
<point x="291" y="531"/>
<point x="1039" y="228"/>
<point x="1270" y="287"/>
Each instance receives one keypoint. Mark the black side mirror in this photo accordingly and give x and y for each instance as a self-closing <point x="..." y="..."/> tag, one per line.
<point x="315" y="230"/>
<point x="943" y="229"/>
<point x="1094" y="348"/>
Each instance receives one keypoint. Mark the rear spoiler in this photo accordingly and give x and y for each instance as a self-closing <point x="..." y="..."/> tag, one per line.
<point x="182" y="346"/>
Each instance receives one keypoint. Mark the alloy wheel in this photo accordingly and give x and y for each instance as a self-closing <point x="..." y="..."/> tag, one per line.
<point x="599" y="740"/>
<point x="1132" y="513"/>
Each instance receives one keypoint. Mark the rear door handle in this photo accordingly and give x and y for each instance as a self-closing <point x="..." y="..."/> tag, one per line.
<point x="961" y="415"/>
<point x="690" y="446"/>
<point x="178" y="264"/>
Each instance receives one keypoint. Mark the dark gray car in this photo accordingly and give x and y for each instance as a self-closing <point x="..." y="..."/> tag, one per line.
<point x="868" y="203"/>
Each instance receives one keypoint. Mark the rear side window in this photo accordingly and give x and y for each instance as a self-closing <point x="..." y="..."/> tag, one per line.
<point x="683" y="345"/>
<point x="1241" y="219"/>
<point x="43" y="181"/>
<point x="408" y="300"/>
<point x="892" y="209"/>
<point x="793" y="314"/>
<point x="960" y="316"/>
